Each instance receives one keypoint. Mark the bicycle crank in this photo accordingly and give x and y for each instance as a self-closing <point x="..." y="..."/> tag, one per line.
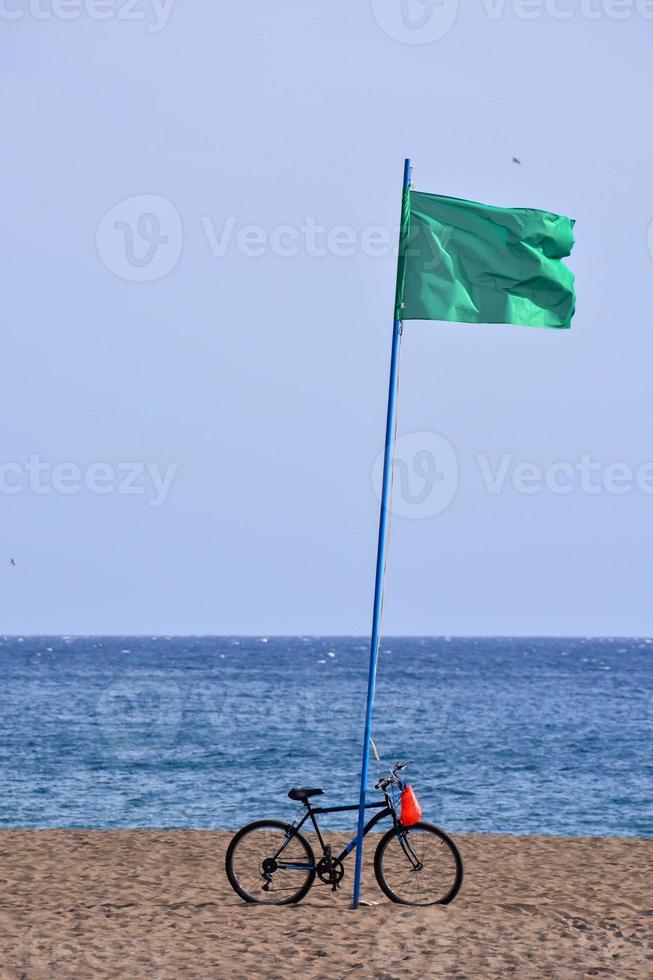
<point x="330" y="871"/>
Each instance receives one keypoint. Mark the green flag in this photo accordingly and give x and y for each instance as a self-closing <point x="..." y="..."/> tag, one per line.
<point x="474" y="263"/>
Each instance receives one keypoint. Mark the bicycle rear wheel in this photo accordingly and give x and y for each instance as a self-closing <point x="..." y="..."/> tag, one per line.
<point x="418" y="865"/>
<point x="269" y="863"/>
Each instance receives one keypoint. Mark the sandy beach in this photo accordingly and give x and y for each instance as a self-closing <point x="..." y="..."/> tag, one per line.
<point x="152" y="903"/>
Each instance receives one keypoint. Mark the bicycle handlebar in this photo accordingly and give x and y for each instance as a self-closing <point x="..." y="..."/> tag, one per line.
<point x="392" y="778"/>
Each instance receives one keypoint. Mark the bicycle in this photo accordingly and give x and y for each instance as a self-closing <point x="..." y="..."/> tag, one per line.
<point x="270" y="862"/>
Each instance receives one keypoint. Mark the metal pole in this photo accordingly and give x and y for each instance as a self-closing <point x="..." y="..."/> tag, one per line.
<point x="380" y="566"/>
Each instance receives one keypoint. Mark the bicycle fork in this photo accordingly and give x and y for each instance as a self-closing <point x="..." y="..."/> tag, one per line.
<point x="409" y="852"/>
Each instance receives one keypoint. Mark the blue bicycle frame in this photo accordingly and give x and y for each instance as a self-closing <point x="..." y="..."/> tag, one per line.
<point x="384" y="811"/>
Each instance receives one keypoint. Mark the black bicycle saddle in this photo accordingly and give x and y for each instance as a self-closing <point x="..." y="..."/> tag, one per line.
<point x="302" y="794"/>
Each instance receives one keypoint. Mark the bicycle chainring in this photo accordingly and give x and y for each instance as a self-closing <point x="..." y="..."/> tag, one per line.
<point x="330" y="871"/>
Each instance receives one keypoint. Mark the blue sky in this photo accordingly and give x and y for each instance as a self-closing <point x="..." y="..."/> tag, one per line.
<point x="198" y="284"/>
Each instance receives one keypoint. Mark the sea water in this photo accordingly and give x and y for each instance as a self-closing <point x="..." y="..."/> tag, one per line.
<point x="546" y="736"/>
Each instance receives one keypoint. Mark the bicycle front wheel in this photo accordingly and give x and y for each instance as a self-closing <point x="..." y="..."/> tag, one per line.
<point x="418" y="865"/>
<point x="268" y="862"/>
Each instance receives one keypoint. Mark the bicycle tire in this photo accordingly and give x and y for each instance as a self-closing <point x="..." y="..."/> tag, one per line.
<point x="453" y="859"/>
<point x="232" y="864"/>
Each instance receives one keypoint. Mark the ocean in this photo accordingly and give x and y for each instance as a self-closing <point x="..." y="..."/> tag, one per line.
<point x="508" y="735"/>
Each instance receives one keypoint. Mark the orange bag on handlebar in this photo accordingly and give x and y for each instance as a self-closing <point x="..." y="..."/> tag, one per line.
<point x="411" y="811"/>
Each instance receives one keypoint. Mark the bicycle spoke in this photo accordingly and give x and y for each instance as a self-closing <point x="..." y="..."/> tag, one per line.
<point x="254" y="867"/>
<point x="419" y="867"/>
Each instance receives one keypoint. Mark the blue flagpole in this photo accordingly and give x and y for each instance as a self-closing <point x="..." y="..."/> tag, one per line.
<point x="380" y="567"/>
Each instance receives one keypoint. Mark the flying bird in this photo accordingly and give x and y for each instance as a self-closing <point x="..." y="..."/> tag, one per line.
<point x="515" y="160"/>
<point x="12" y="562"/>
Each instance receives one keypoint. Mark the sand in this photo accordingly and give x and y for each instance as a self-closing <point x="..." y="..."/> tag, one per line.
<point x="156" y="904"/>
